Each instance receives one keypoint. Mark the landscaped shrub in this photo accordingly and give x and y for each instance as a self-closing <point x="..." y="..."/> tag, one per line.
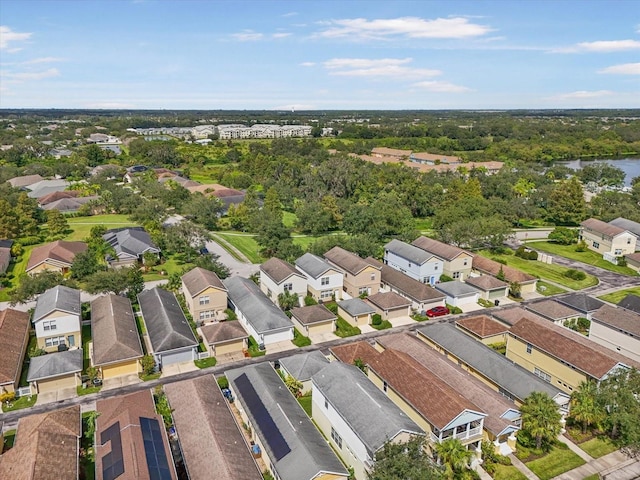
<point x="575" y="274"/>
<point x="445" y="278"/>
<point x="223" y="382"/>
<point x="525" y="253"/>
<point x="581" y="246"/>
<point x="376" y="319"/>
<point x="332" y="307"/>
<point x="231" y="315"/>
<point x="453" y="309"/>
<point x="309" y="300"/>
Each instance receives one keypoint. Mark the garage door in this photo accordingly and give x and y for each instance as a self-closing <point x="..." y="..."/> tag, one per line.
<point x="52" y="385"/>
<point x="177" y="357"/>
<point x="496" y="294"/>
<point x="230" y="347"/>
<point x="117" y="370"/>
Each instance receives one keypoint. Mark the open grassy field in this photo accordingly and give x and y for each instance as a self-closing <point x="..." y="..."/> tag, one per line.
<point x="615" y="297"/>
<point x="81" y="226"/>
<point x="244" y="242"/>
<point x="588" y="257"/>
<point x="551" y="272"/>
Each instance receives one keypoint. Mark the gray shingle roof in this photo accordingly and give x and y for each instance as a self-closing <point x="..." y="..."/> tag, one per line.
<point x="57" y="298"/>
<point x="619" y="318"/>
<point x="130" y="241"/>
<point x="456" y="289"/>
<point x="310" y="454"/>
<point x="512" y="378"/>
<point x="552" y="310"/>
<point x="604" y="228"/>
<point x="630" y="302"/>
<point x="313" y="265"/>
<point x="629" y="225"/>
<point x="370" y="414"/>
<point x="581" y="302"/>
<point x="303" y="366"/>
<point x="408" y="251"/>
<point x="114" y="331"/>
<point x="356" y="306"/>
<point x="166" y="324"/>
<point x="259" y="311"/>
<point x="409" y="287"/>
<point x="55" y="364"/>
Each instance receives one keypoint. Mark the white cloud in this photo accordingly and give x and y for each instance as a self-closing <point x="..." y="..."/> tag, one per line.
<point x="601" y="46"/>
<point x="411" y="27"/>
<point x="7" y="36"/>
<point x="441" y="87"/>
<point x="43" y="60"/>
<point x="25" y="76"/>
<point x="281" y="35"/>
<point x="380" y="68"/>
<point x="307" y="64"/>
<point x="290" y="14"/>
<point x="622" y="69"/>
<point x="582" y="94"/>
<point x="247" y="36"/>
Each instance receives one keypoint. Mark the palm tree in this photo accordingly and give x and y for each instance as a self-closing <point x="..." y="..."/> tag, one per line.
<point x="540" y="418"/>
<point x="584" y="406"/>
<point x="454" y="456"/>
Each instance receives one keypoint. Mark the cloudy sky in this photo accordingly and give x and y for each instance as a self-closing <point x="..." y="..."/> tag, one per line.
<point x="331" y="54"/>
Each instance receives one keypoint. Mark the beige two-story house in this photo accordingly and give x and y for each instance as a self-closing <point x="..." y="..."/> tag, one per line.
<point x="457" y="262"/>
<point x="205" y="295"/>
<point x="360" y="277"/>
<point x="608" y="240"/>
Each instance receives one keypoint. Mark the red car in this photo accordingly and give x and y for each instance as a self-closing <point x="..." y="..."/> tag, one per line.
<point x="437" y="311"/>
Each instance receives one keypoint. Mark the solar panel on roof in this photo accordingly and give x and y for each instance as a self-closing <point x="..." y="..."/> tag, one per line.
<point x="112" y="462"/>
<point x="268" y="427"/>
<point x="154" y="449"/>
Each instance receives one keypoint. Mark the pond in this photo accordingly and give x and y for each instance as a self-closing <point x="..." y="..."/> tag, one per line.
<point x="630" y="166"/>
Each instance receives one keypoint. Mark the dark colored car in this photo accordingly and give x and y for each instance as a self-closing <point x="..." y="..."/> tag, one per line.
<point x="437" y="311"/>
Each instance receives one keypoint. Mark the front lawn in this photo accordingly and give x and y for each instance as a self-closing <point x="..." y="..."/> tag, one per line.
<point x="31" y="346"/>
<point x="243" y="242"/>
<point x="81" y="390"/>
<point x="300" y="340"/>
<point x="254" y="350"/>
<point x="16" y="270"/>
<point x="205" y="362"/>
<point x="382" y="325"/>
<point x="508" y="472"/>
<point x="172" y="264"/>
<point x="344" y="328"/>
<point x="305" y="402"/>
<point x="548" y="289"/>
<point x="598" y="447"/>
<point x="559" y="460"/>
<point x="615" y="297"/>
<point x="151" y="376"/>
<point x="589" y="257"/>
<point x="19" y="403"/>
<point x="9" y="438"/>
<point x="81" y="226"/>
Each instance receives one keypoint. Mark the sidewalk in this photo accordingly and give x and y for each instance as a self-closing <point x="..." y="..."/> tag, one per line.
<point x="515" y="461"/>
<point x="575" y="449"/>
<point x="597" y="465"/>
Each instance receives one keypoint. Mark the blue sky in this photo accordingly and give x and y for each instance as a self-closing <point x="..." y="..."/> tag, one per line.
<point x="162" y="54"/>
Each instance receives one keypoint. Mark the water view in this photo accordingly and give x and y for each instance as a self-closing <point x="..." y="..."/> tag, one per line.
<point x="630" y="166"/>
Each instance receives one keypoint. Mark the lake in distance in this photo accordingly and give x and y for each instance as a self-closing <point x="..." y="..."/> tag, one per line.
<point x="630" y="166"/>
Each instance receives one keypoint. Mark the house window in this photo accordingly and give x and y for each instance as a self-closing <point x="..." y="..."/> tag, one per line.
<point x="373" y="277"/>
<point x="466" y="262"/>
<point x="53" y="341"/>
<point x="384" y="386"/>
<point x="336" y="438"/>
<point x="628" y="241"/>
<point x="205" y="315"/>
<point x="71" y="340"/>
<point x="617" y="251"/>
<point x="204" y="300"/>
<point x="287" y="287"/>
<point x="529" y="347"/>
<point x="326" y="404"/>
<point x="456" y="275"/>
<point x="269" y="292"/>
<point x="409" y="265"/>
<point x="596" y="245"/>
<point x="324" y="281"/>
<point x="543" y="375"/>
<point x="49" y="325"/>
<point x="326" y="294"/>
<point x="363" y="291"/>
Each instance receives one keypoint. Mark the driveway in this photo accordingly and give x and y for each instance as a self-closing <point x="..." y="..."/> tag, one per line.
<point x="236" y="267"/>
<point x="56" y="396"/>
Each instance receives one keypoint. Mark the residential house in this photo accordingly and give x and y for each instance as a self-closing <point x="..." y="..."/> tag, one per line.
<point x="225" y="338"/>
<point x="360" y="352"/>
<point x="117" y="350"/>
<point x="46" y="446"/>
<point x="457" y="262"/>
<point x="45" y="187"/>
<point x="278" y="276"/>
<point x="490" y="288"/>
<point x="422" y="295"/>
<point x="459" y="294"/>
<point x="434" y="158"/>
<point x="356" y="417"/>
<point x="57" y="318"/>
<point x="313" y="320"/>
<point x="495" y="370"/>
<point x="24" y="180"/>
<point x="292" y="447"/>
<point x="560" y="356"/>
<point x="633" y="261"/>
<point x="512" y="315"/>
<point x="557" y="312"/>
<point x="630" y="302"/>
<point x="14" y="337"/>
<point x="502" y="420"/>
<point x="131" y="440"/>
<point x="486" y="266"/>
<point x="209" y="437"/>
<point x="205" y="295"/>
<point x="617" y="329"/>
<point x="414" y="262"/>
<point x="324" y="281"/>
<point x="385" y="152"/>
<point x="356" y="311"/>
<point x="606" y="239"/>
<point x="581" y="302"/>
<point x="390" y="305"/>
<point x="69" y="205"/>
<point x="303" y="366"/>
<point x="360" y="277"/>
<point x="628" y="225"/>
<point x="170" y="336"/>
<point x="55" y="371"/>
<point x="130" y="244"/>
<point x="56" y="256"/>
<point x="484" y="329"/>
<point x="265" y="322"/>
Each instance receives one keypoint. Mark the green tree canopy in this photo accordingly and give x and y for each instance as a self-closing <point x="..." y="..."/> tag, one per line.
<point x="405" y="460"/>
<point x="540" y="419"/>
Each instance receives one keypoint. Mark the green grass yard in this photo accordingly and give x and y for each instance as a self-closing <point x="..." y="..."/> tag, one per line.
<point x="547" y="289"/>
<point x="598" y="447"/>
<point x="559" y="460"/>
<point x="81" y="226"/>
<point x="615" y="297"/>
<point x="205" y="362"/>
<point x="20" y="403"/>
<point x="344" y="328"/>
<point x="508" y="472"/>
<point x="16" y="269"/>
<point x="305" y="402"/>
<point x="243" y="242"/>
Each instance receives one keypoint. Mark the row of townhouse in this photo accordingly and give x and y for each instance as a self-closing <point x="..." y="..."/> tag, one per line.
<point x="233" y="132"/>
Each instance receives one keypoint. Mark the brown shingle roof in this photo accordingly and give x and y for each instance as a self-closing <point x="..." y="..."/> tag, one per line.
<point x="113" y="326"/>
<point x="14" y="332"/>
<point x="345" y="260"/>
<point x="223" y="332"/>
<point x="552" y="309"/>
<point x="127" y="410"/>
<point x="512" y="315"/>
<point x="388" y="300"/>
<point x="618" y="318"/>
<point x="390" y="152"/>
<point x="437" y="248"/>
<point x="24" y="181"/>
<point x="313" y="314"/>
<point x="279" y="270"/>
<point x="198" y="279"/>
<point x="46" y="447"/>
<point x="350" y="352"/>
<point x="411" y="288"/>
<point x="54" y="196"/>
<point x="60" y="250"/>
<point x="209" y="435"/>
<point x="604" y="228"/>
<point x="492" y="267"/>
<point x="430" y="396"/>
<point x="583" y="357"/>
<point x="482" y="326"/>
<point x="486" y="282"/>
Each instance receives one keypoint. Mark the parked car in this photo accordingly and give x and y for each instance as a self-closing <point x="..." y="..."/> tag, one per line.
<point x="437" y="311"/>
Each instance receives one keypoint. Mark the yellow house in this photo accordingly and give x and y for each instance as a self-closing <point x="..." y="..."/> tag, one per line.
<point x="205" y="295"/>
<point x="55" y="256"/>
<point x="225" y="338"/>
<point x="608" y="240"/>
<point x="313" y="320"/>
<point x="360" y="277"/>
<point x="560" y="356"/>
<point x="116" y="348"/>
<point x="486" y="266"/>
<point x="356" y="311"/>
<point x="14" y="337"/>
<point x="457" y="262"/>
<point x="390" y="305"/>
